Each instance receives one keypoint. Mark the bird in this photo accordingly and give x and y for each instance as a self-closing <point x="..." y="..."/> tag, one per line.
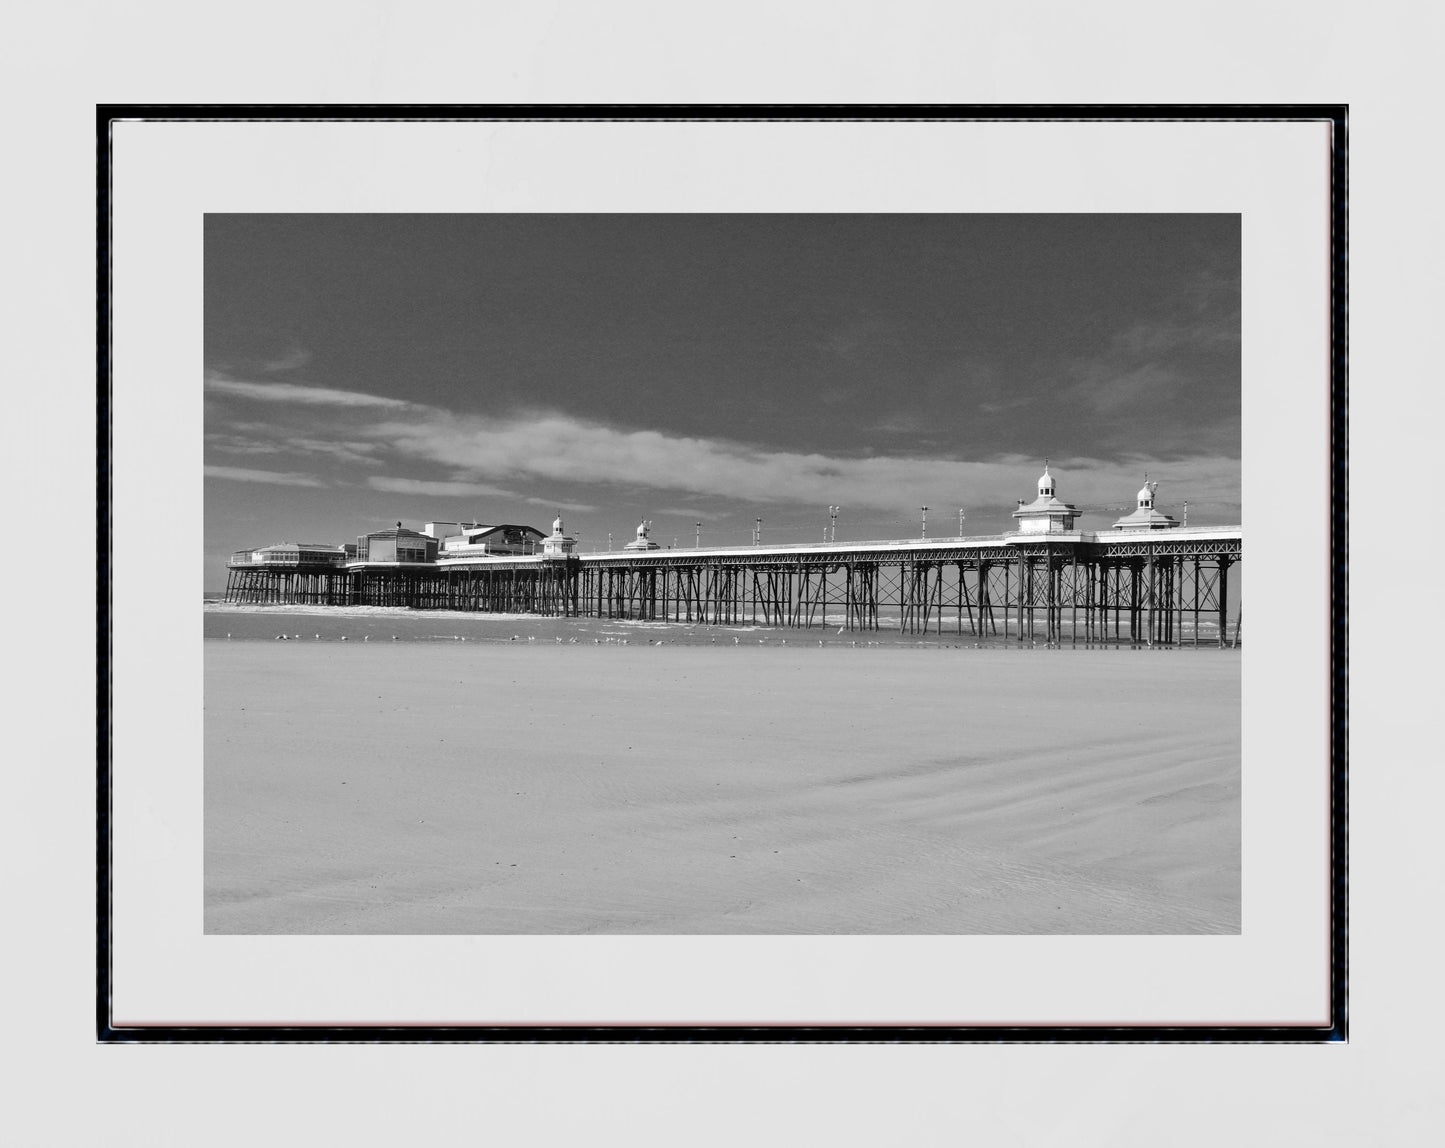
<point x="343" y="637"/>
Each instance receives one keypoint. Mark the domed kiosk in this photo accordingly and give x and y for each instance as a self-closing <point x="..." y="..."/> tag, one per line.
<point x="1145" y="517"/>
<point x="642" y="542"/>
<point x="557" y="544"/>
<point x="1046" y="514"/>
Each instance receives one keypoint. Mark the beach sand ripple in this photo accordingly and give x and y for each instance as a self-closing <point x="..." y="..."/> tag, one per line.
<point x="483" y="789"/>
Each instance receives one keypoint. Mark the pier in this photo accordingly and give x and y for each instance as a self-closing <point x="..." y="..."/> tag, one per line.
<point x="1148" y="581"/>
<point x="1145" y="588"/>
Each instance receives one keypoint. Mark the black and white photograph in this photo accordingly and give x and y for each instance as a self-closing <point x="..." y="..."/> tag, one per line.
<point x="698" y="573"/>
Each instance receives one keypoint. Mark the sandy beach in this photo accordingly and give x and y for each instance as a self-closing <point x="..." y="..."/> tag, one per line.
<point x="541" y="788"/>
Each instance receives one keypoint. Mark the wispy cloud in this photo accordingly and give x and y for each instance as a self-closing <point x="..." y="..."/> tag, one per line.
<point x="273" y="477"/>
<point x="437" y="489"/>
<point x="361" y="452"/>
<point x="239" y="444"/>
<point x="296" y="393"/>
<point x="358" y="452"/>
<point x="294" y="358"/>
<point x="570" y="507"/>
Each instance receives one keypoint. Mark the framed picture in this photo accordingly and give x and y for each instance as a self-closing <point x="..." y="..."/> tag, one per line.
<point x="657" y="574"/>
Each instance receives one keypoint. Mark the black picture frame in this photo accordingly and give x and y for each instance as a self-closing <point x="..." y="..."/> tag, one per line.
<point x="1335" y="1030"/>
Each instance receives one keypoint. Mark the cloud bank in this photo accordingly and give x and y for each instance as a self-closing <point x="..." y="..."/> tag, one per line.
<point x="436" y="453"/>
<point x="559" y="448"/>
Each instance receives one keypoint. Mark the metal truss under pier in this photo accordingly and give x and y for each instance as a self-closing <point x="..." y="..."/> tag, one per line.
<point x="1163" y="588"/>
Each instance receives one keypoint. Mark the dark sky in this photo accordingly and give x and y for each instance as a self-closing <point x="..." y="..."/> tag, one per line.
<point x="365" y="368"/>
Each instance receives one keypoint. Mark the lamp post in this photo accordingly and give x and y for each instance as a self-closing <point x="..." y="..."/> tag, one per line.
<point x="698" y="525"/>
<point x="833" y="522"/>
<point x="960" y="522"/>
<point x="758" y="534"/>
<point x="609" y="540"/>
<point x="925" y="520"/>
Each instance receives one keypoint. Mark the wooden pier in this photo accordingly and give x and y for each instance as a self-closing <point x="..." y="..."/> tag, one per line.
<point x="1154" y="588"/>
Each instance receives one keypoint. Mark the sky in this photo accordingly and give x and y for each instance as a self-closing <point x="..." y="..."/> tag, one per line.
<point x="365" y="369"/>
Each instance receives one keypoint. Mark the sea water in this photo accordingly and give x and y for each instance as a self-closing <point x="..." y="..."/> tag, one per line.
<point x="242" y="622"/>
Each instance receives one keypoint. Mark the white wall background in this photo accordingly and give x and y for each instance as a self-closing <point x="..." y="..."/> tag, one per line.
<point x="62" y="59"/>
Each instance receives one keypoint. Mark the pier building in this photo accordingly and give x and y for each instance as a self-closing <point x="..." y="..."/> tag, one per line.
<point x="1150" y="583"/>
<point x="1145" y="517"/>
<point x="397" y="545"/>
<point x="642" y="541"/>
<point x="1046" y="514"/>
<point x="557" y="544"/>
<point x="507" y="538"/>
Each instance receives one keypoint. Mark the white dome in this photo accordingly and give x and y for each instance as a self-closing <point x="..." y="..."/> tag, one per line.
<point x="557" y="525"/>
<point x="1146" y="493"/>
